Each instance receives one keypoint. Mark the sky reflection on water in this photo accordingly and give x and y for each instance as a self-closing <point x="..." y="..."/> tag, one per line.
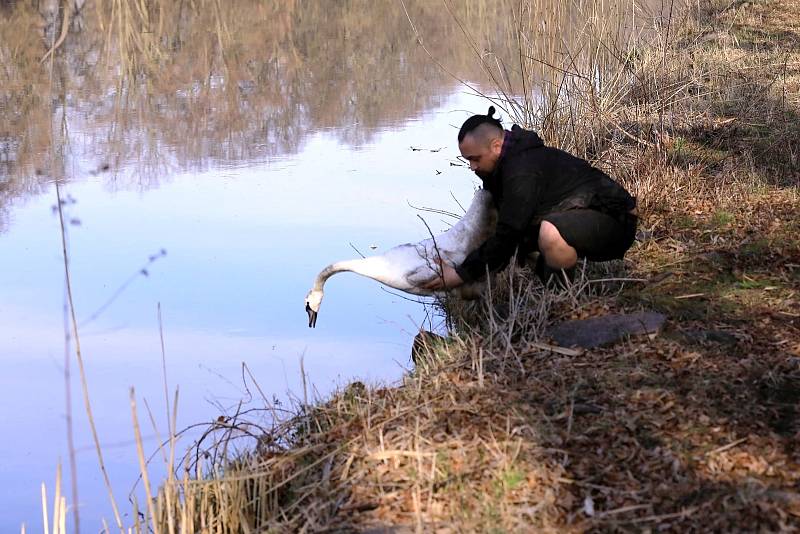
<point x="243" y="247"/>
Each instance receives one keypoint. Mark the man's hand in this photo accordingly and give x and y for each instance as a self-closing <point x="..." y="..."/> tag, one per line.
<point x="449" y="278"/>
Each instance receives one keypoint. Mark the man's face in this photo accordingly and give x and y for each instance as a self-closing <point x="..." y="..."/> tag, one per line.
<point x="482" y="156"/>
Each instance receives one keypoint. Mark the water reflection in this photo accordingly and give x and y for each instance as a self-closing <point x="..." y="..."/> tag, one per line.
<point x="195" y="85"/>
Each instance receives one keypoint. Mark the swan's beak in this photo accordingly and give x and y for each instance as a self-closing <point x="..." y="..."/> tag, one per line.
<point x="312" y="317"/>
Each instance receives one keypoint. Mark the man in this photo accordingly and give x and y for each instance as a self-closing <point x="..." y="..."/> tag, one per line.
<point x="547" y="200"/>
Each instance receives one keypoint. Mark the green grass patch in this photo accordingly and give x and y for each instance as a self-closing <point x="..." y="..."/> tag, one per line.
<point x="686" y="151"/>
<point x="684" y="221"/>
<point x="722" y="218"/>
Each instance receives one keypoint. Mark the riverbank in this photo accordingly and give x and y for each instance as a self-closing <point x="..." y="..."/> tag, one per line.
<point x="696" y="428"/>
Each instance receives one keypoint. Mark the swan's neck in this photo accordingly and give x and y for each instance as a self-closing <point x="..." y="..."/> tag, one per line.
<point x="373" y="267"/>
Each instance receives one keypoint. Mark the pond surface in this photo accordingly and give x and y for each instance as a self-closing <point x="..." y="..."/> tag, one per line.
<point x="213" y="158"/>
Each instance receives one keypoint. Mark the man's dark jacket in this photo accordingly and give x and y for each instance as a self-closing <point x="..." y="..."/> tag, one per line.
<point x="530" y="181"/>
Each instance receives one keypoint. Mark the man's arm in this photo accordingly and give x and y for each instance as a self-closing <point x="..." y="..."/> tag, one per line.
<point x="449" y="278"/>
<point x="519" y="207"/>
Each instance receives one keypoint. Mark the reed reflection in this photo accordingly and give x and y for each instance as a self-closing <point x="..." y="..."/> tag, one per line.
<point x="187" y="85"/>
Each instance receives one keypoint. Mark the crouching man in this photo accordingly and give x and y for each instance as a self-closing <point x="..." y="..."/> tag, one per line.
<point x="548" y="201"/>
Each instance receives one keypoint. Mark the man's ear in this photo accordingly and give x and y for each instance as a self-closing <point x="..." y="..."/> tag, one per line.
<point x="497" y="145"/>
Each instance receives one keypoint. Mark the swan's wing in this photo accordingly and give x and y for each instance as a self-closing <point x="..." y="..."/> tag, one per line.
<point x="475" y="227"/>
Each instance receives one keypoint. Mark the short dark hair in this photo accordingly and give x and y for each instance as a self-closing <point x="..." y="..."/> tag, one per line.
<point x="476" y="120"/>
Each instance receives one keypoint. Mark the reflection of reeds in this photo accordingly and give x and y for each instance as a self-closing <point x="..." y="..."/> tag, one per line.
<point x="193" y="84"/>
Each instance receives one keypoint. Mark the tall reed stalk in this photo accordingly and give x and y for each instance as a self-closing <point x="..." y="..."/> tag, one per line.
<point x="571" y="85"/>
<point x="79" y="357"/>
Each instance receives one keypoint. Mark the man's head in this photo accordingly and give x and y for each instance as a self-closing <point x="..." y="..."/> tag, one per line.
<point x="480" y="141"/>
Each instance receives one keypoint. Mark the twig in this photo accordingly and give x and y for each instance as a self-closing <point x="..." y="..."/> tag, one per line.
<point x="624" y="509"/>
<point x="357" y="251"/>
<point x="726" y="447"/>
<point x="436" y="248"/>
<point x="73" y="465"/>
<point x="553" y="348"/>
<point x="164" y="368"/>
<point x="417" y="301"/>
<point x="457" y="202"/>
<point x="142" y="271"/>
<point x="690" y="296"/>
<point x="683" y="513"/>
<point x="600" y="280"/>
<point x="433" y="210"/>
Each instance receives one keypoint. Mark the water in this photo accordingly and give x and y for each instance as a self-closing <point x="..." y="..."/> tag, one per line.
<point x="252" y="142"/>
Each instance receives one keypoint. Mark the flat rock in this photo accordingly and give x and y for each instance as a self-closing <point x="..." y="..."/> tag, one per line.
<point x="599" y="331"/>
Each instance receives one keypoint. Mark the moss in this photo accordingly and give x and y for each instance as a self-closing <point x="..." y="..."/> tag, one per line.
<point x="684" y="221"/>
<point x="722" y="218"/>
<point x="756" y="247"/>
<point x="685" y="152"/>
<point x="752" y="38"/>
<point x="511" y="478"/>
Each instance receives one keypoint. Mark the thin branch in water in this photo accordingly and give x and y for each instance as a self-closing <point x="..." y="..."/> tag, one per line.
<point x="140" y="272"/>
<point x="457" y="202"/>
<point x="164" y="368"/>
<point x="416" y="301"/>
<point x="434" y="210"/>
<point x="73" y="465"/>
<point x="357" y="251"/>
<point x="435" y="247"/>
<point x="443" y="302"/>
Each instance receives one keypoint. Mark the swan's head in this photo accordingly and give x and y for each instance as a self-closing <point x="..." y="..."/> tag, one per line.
<point x="313" y="302"/>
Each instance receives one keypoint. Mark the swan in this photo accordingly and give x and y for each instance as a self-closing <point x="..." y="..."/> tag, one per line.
<point x="408" y="267"/>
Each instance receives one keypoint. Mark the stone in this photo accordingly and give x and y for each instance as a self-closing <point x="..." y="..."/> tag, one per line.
<point x="605" y="330"/>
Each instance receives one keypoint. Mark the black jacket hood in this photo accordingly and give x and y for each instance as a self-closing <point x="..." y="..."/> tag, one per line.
<point x="521" y="141"/>
<point x="524" y="140"/>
